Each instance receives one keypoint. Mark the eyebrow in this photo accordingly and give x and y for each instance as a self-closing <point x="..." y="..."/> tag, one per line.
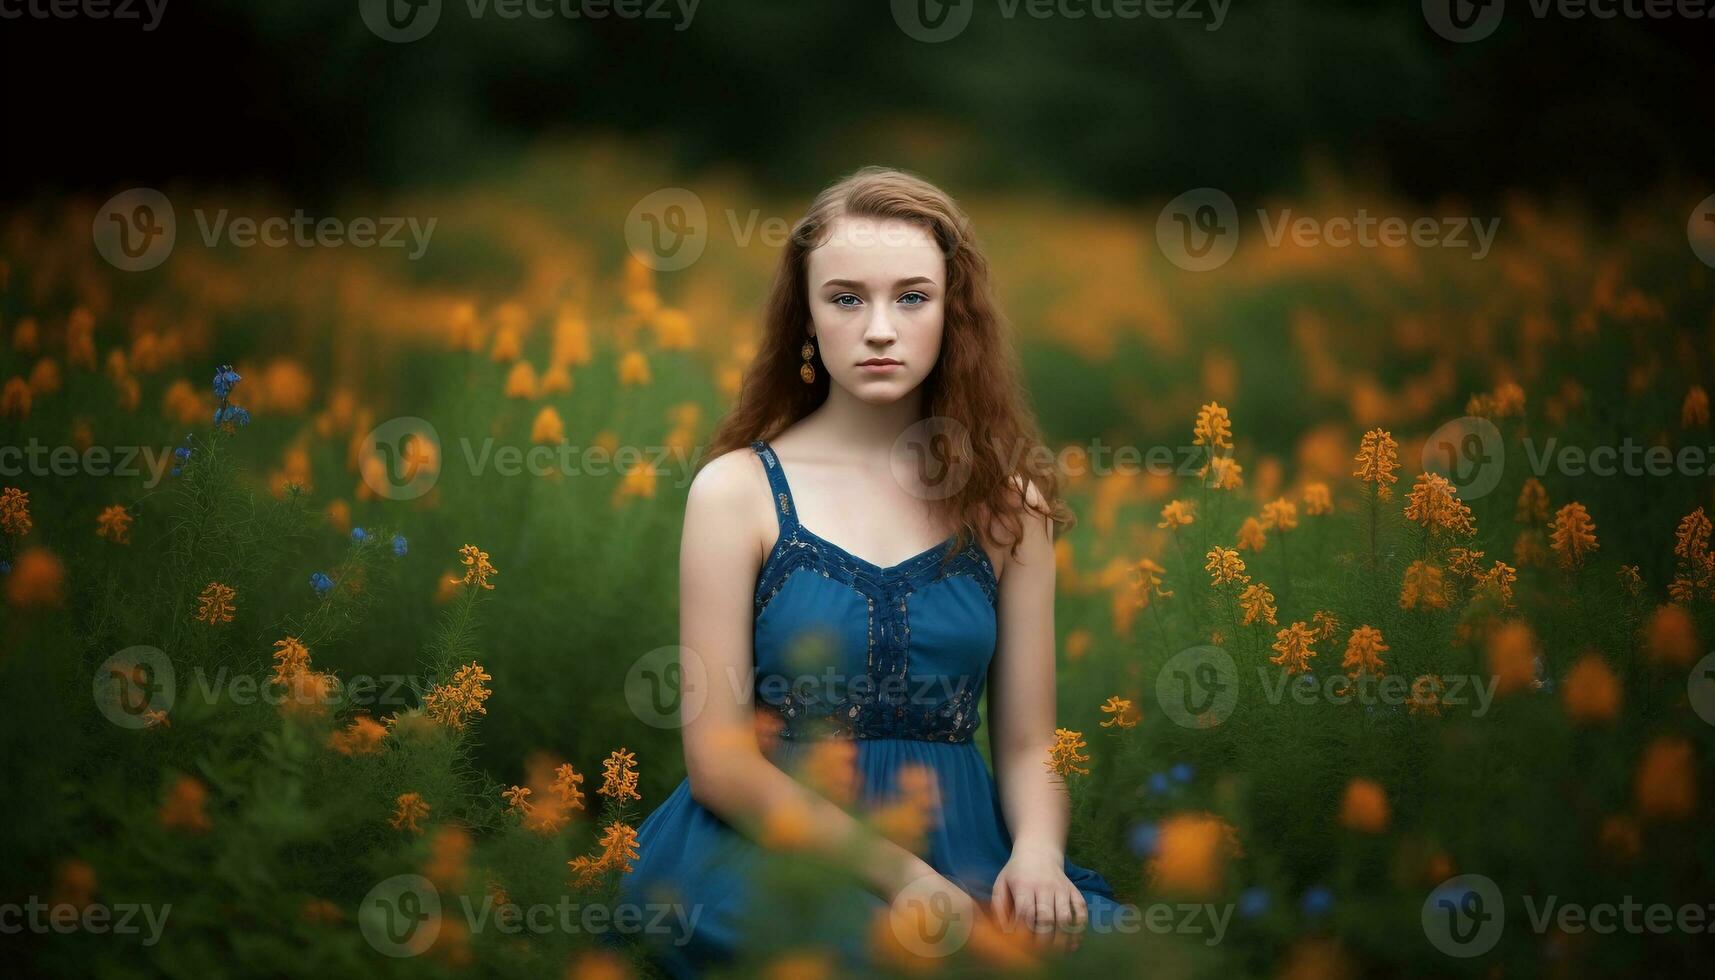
<point x="903" y="282"/>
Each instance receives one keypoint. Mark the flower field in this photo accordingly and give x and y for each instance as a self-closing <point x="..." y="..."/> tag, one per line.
<point x="1384" y="631"/>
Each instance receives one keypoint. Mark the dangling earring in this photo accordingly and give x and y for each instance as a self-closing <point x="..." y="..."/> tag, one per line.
<point x="805" y="370"/>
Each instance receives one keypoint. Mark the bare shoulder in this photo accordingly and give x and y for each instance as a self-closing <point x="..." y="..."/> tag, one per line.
<point x="730" y="490"/>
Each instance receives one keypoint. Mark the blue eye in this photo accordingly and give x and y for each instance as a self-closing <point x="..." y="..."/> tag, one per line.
<point x="839" y="300"/>
<point x="921" y="299"/>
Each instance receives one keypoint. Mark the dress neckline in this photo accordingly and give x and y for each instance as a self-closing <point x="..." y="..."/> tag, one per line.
<point x="897" y="568"/>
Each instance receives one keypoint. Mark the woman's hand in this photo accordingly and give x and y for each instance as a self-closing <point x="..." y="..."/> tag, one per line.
<point x="1033" y="889"/>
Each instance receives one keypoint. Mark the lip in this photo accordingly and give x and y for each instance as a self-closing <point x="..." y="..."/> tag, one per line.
<point x="879" y="366"/>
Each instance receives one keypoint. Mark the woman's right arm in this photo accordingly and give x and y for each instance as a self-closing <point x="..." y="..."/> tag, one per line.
<point x="719" y="560"/>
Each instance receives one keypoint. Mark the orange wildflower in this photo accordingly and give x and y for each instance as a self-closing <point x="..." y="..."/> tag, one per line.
<point x="1435" y="506"/>
<point x="1592" y="692"/>
<point x="1225" y="567"/>
<point x="454" y="702"/>
<point x="619" y="776"/>
<point x="407" y="810"/>
<point x="477" y="568"/>
<point x="1463" y="561"/>
<point x="517" y="799"/>
<point x="184" y="807"/>
<point x="547" y="429"/>
<point x="1294" y="648"/>
<point x="1177" y="514"/>
<point x="1670" y="637"/>
<point x="1258" y="603"/>
<point x="15" y="399"/>
<point x="1063" y="755"/>
<point x="521" y="381"/>
<point x="1251" y="536"/>
<point x="1364" y="649"/>
<point x="1213" y="428"/>
<point x="114" y="524"/>
<point x="1695" y="410"/>
<point x="1191" y="854"/>
<point x="36" y="579"/>
<point x="1324" y="624"/>
<point x="1146" y="577"/>
<point x="1124" y="715"/>
<point x="565" y="786"/>
<point x="448" y="866"/>
<point x="215" y="604"/>
<point x="1280" y="515"/>
<point x="1512" y="657"/>
<point x="1572" y="535"/>
<point x="1691" y="537"/>
<point x="1317" y="500"/>
<point x="1496" y="584"/>
<point x="1364" y="807"/>
<point x="362" y="737"/>
<point x="1423" y="587"/>
<point x="1532" y="507"/>
<point x="291" y="658"/>
<point x="1666" y="787"/>
<point x="1426" y="695"/>
<point x="1377" y="459"/>
<point x="634" y="368"/>
<point x="15" y="512"/>
<point x="1223" y="473"/>
<point x="1631" y="581"/>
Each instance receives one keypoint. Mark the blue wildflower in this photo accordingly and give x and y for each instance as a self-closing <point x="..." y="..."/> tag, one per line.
<point x="359" y="535"/>
<point x="1182" y="771"/>
<point x="5" y="568"/>
<point x="399" y="546"/>
<point x="321" y="583"/>
<point x="1317" y="901"/>
<point x="231" y="413"/>
<point x="1253" y="902"/>
<point x="224" y="379"/>
<point x="1145" y="838"/>
<point x="1158" y="783"/>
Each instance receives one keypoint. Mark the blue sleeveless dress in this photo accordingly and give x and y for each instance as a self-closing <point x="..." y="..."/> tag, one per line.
<point x="907" y="649"/>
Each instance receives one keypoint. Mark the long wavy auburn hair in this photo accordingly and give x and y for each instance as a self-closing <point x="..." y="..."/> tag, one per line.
<point x="973" y="388"/>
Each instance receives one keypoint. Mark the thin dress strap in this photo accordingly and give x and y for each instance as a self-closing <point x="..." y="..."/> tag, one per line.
<point x="784" y="509"/>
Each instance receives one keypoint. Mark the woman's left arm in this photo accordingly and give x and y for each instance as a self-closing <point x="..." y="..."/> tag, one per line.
<point x="1033" y="887"/>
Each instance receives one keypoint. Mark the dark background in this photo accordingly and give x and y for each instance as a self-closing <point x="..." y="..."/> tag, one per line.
<point x="299" y="96"/>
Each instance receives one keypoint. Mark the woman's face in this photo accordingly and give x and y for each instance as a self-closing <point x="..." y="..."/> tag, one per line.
<point x="877" y="289"/>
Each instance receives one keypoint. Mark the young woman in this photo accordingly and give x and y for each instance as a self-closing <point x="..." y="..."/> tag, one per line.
<point x="906" y="565"/>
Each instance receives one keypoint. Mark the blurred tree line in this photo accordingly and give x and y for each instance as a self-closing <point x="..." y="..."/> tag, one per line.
<point x="303" y="96"/>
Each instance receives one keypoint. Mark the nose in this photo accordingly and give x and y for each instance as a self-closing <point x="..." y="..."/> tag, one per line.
<point x="878" y="329"/>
